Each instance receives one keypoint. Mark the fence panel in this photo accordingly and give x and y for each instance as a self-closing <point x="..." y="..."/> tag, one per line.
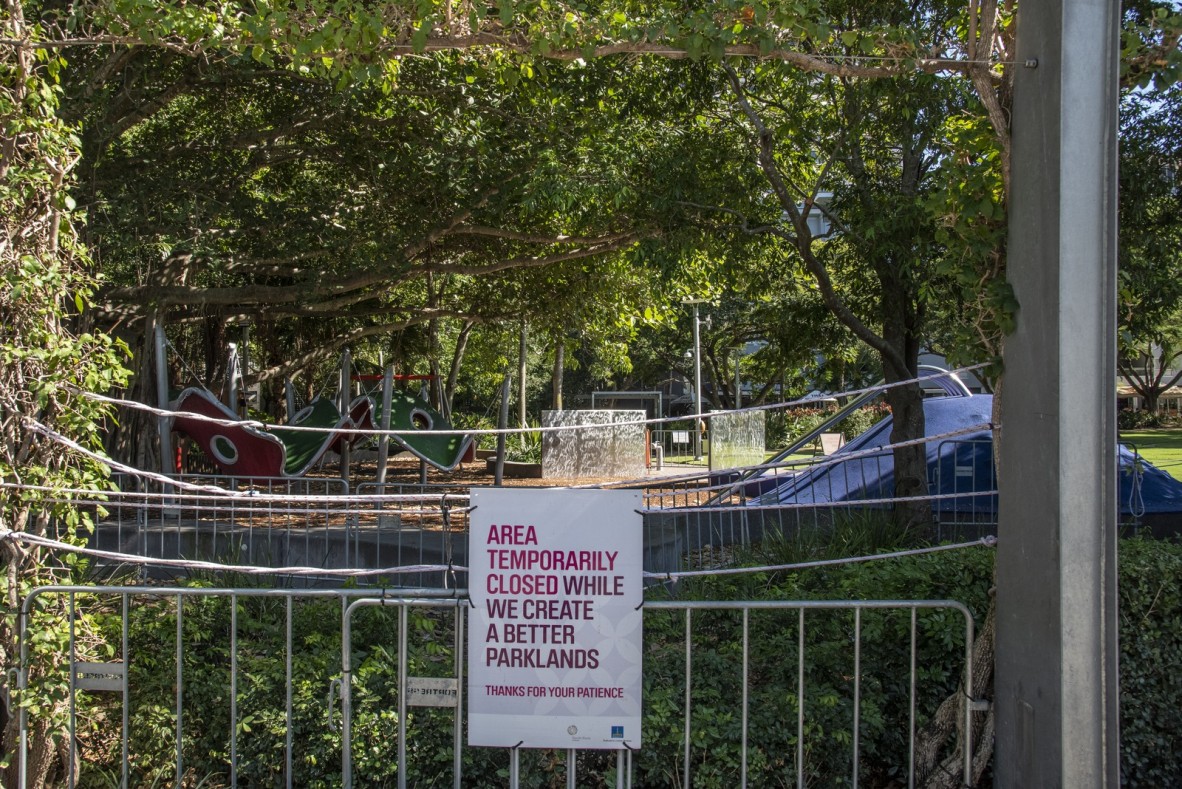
<point x="281" y="687"/>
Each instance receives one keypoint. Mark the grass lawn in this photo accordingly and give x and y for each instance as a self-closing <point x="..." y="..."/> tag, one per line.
<point x="1162" y="448"/>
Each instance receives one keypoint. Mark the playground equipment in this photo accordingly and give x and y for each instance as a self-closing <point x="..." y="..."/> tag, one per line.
<point x="960" y="472"/>
<point x="246" y="450"/>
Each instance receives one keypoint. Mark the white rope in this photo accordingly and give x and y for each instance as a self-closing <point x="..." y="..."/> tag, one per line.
<point x="182" y="485"/>
<point x="810" y="505"/>
<point x="114" y="497"/>
<point x="266" y="426"/>
<point x="188" y="564"/>
<point x="988" y="542"/>
<point x="213" y="491"/>
<point x="251" y="511"/>
<point x="828" y="460"/>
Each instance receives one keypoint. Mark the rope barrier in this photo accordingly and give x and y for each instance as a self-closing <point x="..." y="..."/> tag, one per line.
<point x="182" y="485"/>
<point x="266" y="426"/>
<point x="189" y="564"/>
<point x="115" y="496"/>
<point x="828" y="460"/>
<point x="806" y="505"/>
<point x="987" y="542"/>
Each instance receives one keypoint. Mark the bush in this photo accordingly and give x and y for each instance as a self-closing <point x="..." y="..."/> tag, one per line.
<point x="1150" y="610"/>
<point x="1151" y="679"/>
<point x="1142" y="420"/>
<point x="884" y="689"/>
<point x="790" y="424"/>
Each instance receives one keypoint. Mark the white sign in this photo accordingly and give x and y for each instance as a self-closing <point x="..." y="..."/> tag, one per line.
<point x="554" y="639"/>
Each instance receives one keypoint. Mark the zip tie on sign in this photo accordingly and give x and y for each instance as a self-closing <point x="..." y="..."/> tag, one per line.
<point x="987" y="542"/>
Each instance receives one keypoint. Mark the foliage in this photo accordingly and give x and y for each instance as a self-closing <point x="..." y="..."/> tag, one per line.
<point x="1151" y="646"/>
<point x="1150" y="662"/>
<point x="1139" y="420"/>
<point x="524" y="447"/>
<point x="790" y="424"/>
<point x="47" y="361"/>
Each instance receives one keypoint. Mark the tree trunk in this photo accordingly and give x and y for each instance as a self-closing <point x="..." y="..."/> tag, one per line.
<point x="1152" y="400"/>
<point x="522" y="370"/>
<point x="937" y="767"/>
<point x="556" y="377"/>
<point x="457" y="358"/>
<point x="906" y="402"/>
<point x="911" y="466"/>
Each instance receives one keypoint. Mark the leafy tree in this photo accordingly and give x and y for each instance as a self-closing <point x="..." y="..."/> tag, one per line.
<point x="1150" y="270"/>
<point x="46" y="358"/>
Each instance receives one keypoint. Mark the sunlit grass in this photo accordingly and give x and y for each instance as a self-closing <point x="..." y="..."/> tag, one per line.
<point x="1162" y="448"/>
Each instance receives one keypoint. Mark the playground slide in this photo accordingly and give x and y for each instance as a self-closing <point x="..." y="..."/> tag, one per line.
<point x="416" y="420"/>
<point x="237" y="450"/>
<point x="244" y="451"/>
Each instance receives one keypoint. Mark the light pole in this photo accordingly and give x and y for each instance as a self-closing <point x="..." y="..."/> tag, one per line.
<point x="697" y="377"/>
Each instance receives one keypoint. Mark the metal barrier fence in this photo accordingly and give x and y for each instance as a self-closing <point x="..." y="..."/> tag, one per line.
<point x="241" y="686"/>
<point x="692" y="521"/>
<point x="286" y="528"/>
<point x="676" y="448"/>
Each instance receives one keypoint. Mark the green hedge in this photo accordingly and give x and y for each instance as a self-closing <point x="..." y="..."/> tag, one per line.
<point x="1151" y="683"/>
<point x="1150" y="613"/>
<point x="788" y="425"/>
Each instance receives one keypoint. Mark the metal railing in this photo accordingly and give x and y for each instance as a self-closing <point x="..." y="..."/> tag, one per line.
<point x="800" y="681"/>
<point x="677" y="447"/>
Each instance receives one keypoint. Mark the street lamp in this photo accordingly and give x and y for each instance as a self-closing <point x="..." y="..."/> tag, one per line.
<point x="697" y="375"/>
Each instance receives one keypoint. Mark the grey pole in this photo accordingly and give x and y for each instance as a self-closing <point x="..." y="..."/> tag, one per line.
<point x="384" y="438"/>
<point x="289" y="398"/>
<point x="1056" y="688"/>
<point x="502" y="424"/>
<point x="164" y="424"/>
<point x="343" y="397"/>
<point x="738" y="378"/>
<point x="697" y="386"/>
<point x="232" y="394"/>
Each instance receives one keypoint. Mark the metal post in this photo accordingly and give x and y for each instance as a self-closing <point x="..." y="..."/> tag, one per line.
<point x="502" y="424"/>
<point x="164" y="424"/>
<point x="343" y="406"/>
<point x="289" y="398"/>
<point x="1056" y="690"/>
<point x="244" y="360"/>
<point x="697" y="386"/>
<point x="232" y="372"/>
<point x="738" y="380"/>
<point x="403" y="633"/>
<point x="384" y="438"/>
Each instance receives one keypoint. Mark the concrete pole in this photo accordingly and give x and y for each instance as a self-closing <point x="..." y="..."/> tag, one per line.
<point x="1056" y="686"/>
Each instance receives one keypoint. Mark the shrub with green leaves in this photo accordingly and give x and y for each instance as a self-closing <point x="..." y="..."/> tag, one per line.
<point x="1151" y="679"/>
